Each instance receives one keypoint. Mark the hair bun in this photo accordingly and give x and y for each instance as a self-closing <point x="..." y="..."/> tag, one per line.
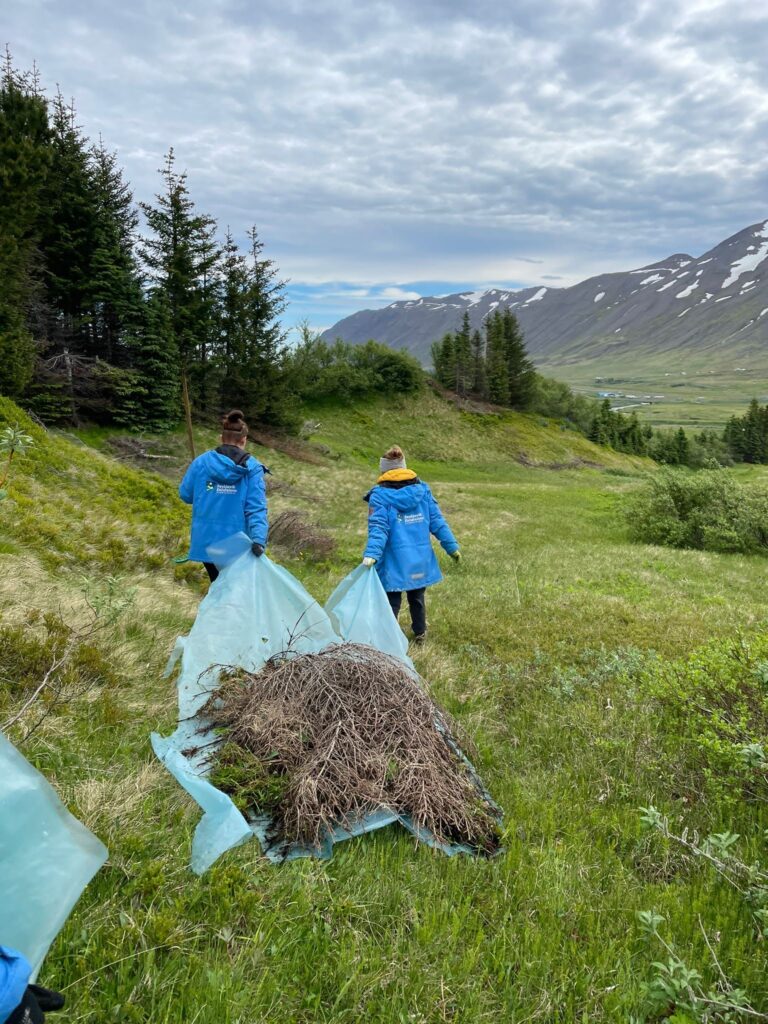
<point x="234" y="425"/>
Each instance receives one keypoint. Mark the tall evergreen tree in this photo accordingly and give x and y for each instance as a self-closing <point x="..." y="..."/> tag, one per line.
<point x="462" y="350"/>
<point x="68" y="234"/>
<point x="479" y="377"/>
<point x="156" y="403"/>
<point x="497" y="368"/>
<point x="253" y="338"/>
<point x="115" y="296"/>
<point x="24" y="163"/>
<point x="521" y="374"/>
<point x="682" y="447"/>
<point x="445" y="367"/>
<point x="181" y="257"/>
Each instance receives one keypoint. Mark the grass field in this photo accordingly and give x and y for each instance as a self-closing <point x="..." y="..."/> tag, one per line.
<point x="538" y="645"/>
<point x="677" y="395"/>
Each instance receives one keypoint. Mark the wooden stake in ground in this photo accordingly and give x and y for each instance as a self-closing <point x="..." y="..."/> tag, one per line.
<point x="187" y="413"/>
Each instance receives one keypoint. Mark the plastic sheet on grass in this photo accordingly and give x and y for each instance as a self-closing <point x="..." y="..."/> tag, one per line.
<point x="47" y="858"/>
<point x="254" y="610"/>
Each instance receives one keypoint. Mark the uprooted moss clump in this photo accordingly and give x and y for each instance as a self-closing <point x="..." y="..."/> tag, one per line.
<point x="254" y="789"/>
<point x="318" y="740"/>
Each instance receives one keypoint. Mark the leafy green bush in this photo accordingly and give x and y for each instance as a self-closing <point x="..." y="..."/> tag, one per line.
<point x="709" y="511"/>
<point x="713" y="708"/>
<point x="318" y="370"/>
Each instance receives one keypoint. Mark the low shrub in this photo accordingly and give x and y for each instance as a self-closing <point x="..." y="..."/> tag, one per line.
<point x="295" y="535"/>
<point x="708" y="510"/>
<point x="713" y="713"/>
<point x="48" y="661"/>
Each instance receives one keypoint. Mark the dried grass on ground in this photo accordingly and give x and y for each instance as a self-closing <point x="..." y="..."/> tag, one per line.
<point x="322" y="739"/>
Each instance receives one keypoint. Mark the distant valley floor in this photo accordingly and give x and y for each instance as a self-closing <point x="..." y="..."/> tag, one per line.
<point x="695" y="399"/>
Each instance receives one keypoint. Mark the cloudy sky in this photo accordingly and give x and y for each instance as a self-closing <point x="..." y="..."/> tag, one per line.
<point x="388" y="149"/>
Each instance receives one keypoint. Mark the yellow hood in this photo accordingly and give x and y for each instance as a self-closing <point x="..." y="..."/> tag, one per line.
<point x="395" y="475"/>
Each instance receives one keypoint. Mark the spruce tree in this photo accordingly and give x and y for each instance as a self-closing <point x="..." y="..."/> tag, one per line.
<point x="521" y="374"/>
<point x="479" y="377"/>
<point x="156" y="405"/>
<point x="754" y="444"/>
<point x="115" y="296"/>
<point x="436" y="352"/>
<point x="181" y="257"/>
<point x="68" y="234"/>
<point x="462" y="351"/>
<point x="497" y="368"/>
<point x="448" y="362"/>
<point x="253" y="338"/>
<point x="24" y="162"/>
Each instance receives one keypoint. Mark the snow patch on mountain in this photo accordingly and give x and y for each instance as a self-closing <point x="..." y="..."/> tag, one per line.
<point x="751" y="261"/>
<point x="687" y="291"/>
<point x="599" y="297"/>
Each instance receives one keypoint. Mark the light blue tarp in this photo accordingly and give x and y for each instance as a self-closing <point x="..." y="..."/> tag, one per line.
<point x="47" y="857"/>
<point x="254" y="610"/>
<point x="360" y="613"/>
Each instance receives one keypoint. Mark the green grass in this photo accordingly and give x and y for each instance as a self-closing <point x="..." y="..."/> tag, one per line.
<point x="696" y="398"/>
<point x="535" y="646"/>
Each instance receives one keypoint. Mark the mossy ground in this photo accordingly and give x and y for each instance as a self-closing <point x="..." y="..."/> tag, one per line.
<point x="534" y="648"/>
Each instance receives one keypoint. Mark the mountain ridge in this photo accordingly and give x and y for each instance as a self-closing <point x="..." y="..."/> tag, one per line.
<point x="707" y="309"/>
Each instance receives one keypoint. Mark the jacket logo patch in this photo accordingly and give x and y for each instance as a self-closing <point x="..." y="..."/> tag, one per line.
<point x="226" y="489"/>
<point x="209" y="486"/>
<point x="409" y="518"/>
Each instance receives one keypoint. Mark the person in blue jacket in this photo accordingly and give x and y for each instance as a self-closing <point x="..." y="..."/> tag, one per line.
<point x="402" y="516"/>
<point x="226" y="490"/>
<point x="20" y="1002"/>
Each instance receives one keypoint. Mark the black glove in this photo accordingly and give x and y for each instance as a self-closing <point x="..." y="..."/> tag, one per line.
<point x="37" y="1001"/>
<point x="257" y="549"/>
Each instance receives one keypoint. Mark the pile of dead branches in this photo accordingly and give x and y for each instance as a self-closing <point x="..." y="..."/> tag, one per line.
<point x="295" y="535"/>
<point x="329" y="738"/>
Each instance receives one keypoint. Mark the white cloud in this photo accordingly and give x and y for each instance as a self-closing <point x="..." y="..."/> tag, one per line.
<point x="398" y="295"/>
<point x="431" y="140"/>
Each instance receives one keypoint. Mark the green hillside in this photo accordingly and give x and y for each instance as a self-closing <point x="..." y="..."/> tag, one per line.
<point x="539" y="647"/>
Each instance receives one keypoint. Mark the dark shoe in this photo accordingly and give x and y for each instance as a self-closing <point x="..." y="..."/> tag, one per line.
<point x="419" y="638"/>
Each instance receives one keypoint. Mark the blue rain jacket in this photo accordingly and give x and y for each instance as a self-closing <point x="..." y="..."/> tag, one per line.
<point x="225" y="498"/>
<point x="14" y="977"/>
<point x="400" y="522"/>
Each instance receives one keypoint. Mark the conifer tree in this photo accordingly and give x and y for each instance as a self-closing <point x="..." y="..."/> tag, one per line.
<point x="462" y="350"/>
<point x="181" y="257"/>
<point x="682" y="447"/>
<point x="447" y="373"/>
<point x="521" y="374"/>
<point x="68" y="234"/>
<point x="479" y="378"/>
<point x="497" y="368"/>
<point x="24" y="162"/>
<point x="253" y="300"/>
<point x="115" y="290"/>
<point x="156" y="404"/>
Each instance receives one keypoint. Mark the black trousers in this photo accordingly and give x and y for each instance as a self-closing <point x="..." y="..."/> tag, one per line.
<point x="417" y="605"/>
<point x="212" y="571"/>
